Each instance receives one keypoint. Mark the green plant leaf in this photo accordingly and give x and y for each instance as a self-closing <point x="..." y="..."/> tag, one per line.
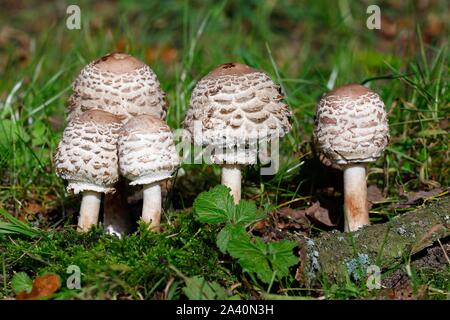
<point x="246" y="212"/>
<point x="227" y="233"/>
<point x="197" y="288"/>
<point x="281" y="257"/>
<point x="21" y="282"/>
<point x="264" y="259"/>
<point x="15" y="226"/>
<point x="215" y="205"/>
<point x="251" y="255"/>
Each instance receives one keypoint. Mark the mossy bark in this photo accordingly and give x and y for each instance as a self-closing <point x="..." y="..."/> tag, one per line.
<point x="336" y="256"/>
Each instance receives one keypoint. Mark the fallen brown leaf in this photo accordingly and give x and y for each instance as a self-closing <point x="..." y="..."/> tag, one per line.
<point x="319" y="214"/>
<point x="405" y="292"/>
<point x="168" y="55"/>
<point x="434" y="26"/>
<point x="43" y="287"/>
<point x="374" y="194"/>
<point x="291" y="213"/>
<point x="412" y="196"/>
<point x="122" y="45"/>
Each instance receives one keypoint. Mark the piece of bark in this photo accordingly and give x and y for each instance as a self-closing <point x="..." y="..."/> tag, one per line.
<point x="337" y="256"/>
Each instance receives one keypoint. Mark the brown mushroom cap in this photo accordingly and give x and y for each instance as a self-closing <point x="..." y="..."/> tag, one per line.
<point x="120" y="84"/>
<point x="119" y="63"/>
<point x="351" y="125"/>
<point x="87" y="153"/>
<point x="147" y="151"/>
<point x="237" y="105"/>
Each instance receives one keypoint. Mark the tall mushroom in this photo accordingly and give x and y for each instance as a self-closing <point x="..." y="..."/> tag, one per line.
<point x="235" y="106"/>
<point x="147" y="156"/>
<point x="351" y="129"/>
<point x="123" y="85"/>
<point x="87" y="158"/>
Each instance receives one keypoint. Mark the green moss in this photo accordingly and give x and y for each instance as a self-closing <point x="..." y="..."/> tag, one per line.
<point x="112" y="267"/>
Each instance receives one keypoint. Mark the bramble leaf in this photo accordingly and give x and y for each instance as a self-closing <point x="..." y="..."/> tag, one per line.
<point x="264" y="259"/>
<point x="246" y="212"/>
<point x="21" y="282"/>
<point x="281" y="257"/>
<point x="215" y="205"/>
<point x="197" y="288"/>
<point x="227" y="233"/>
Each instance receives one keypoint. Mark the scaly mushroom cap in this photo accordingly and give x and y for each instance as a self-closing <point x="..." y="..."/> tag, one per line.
<point x="236" y="106"/>
<point x="120" y="84"/>
<point x="147" y="152"/>
<point x="351" y="125"/>
<point x="87" y="154"/>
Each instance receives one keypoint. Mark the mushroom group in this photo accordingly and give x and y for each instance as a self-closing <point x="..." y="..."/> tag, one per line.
<point x="108" y="94"/>
<point x="116" y="131"/>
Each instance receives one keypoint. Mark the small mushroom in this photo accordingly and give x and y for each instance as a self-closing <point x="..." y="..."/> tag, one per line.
<point x="351" y="129"/>
<point x="236" y="107"/>
<point x="147" y="156"/>
<point x="118" y="83"/>
<point x="87" y="158"/>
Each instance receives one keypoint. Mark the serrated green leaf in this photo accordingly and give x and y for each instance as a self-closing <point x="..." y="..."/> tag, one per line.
<point x="21" y="282"/>
<point x="215" y="205"/>
<point x="197" y="288"/>
<point x="281" y="256"/>
<point x="264" y="259"/>
<point x="251" y="255"/>
<point x="227" y="233"/>
<point x="246" y="212"/>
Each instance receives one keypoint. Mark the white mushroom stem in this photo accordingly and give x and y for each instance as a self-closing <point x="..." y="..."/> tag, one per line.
<point x="89" y="210"/>
<point x="355" y="197"/>
<point x="231" y="177"/>
<point x="151" y="208"/>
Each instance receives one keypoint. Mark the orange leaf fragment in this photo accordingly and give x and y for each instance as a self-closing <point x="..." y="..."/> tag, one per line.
<point x="43" y="287"/>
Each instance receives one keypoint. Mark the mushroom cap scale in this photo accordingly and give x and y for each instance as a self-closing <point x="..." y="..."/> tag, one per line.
<point x="120" y="84"/>
<point x="147" y="151"/>
<point x="351" y="125"/>
<point x="236" y="105"/>
<point x="87" y="154"/>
